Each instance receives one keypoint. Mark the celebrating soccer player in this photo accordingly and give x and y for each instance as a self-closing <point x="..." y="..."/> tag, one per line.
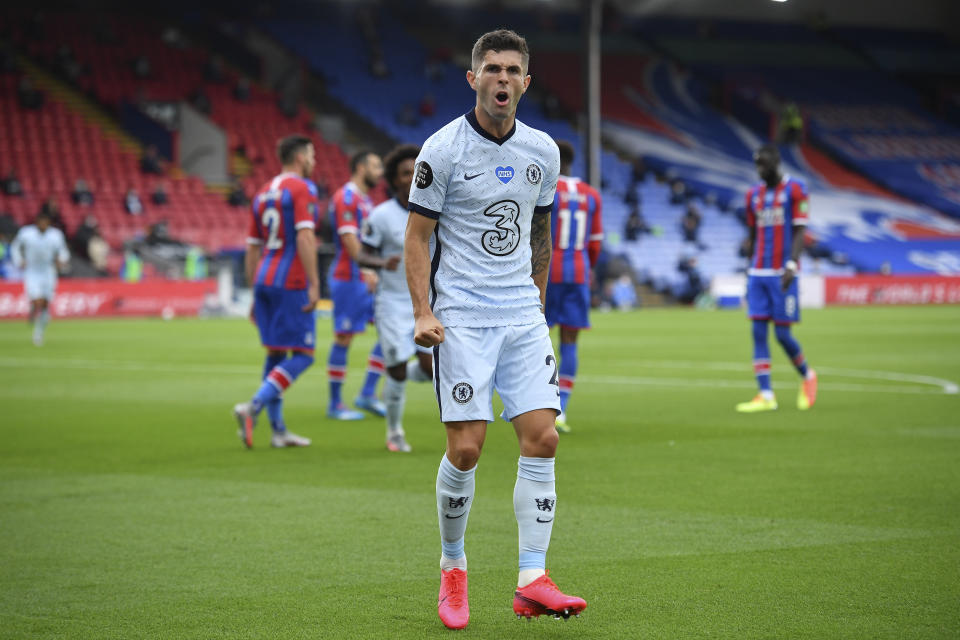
<point x="40" y="250"/>
<point x="483" y="189"/>
<point x="281" y="261"/>
<point x="351" y="287"/>
<point x="577" y="234"/>
<point x="383" y="233"/>
<point x="777" y="212"/>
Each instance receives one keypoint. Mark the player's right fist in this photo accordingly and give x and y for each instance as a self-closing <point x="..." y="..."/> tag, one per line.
<point x="428" y="332"/>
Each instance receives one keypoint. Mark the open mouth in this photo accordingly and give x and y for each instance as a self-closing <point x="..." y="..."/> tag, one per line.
<point x="502" y="98"/>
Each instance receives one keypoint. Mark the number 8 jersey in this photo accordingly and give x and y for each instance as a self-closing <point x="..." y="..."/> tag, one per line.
<point x="483" y="192"/>
<point x="282" y="207"/>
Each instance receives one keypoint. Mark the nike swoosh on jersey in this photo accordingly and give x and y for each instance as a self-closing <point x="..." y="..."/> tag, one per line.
<point x="466" y="177"/>
<point x="450" y="517"/>
<point x="544" y="521"/>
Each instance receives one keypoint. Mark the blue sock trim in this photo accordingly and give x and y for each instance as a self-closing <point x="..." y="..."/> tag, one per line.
<point x="275" y="413"/>
<point x="533" y="560"/>
<point x="536" y="469"/>
<point x="564" y="399"/>
<point x="568" y="358"/>
<point x="453" y="550"/>
<point x="271" y="361"/>
<point x="264" y="395"/>
<point x="454" y="477"/>
<point x="369" y="389"/>
<point x="297" y="364"/>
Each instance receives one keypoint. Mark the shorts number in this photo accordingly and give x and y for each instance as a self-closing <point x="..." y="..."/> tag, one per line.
<point x="790" y="305"/>
<point x="554" y="379"/>
<point x="271" y="220"/>
<point x="505" y="236"/>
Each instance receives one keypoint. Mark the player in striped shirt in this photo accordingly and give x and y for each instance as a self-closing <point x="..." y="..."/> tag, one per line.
<point x="281" y="262"/>
<point x="777" y="211"/>
<point x="577" y="234"/>
<point x="352" y="286"/>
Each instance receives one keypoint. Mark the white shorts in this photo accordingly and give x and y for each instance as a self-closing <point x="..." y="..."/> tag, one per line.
<point x="395" y="333"/>
<point x="39" y="285"/>
<point x="516" y="361"/>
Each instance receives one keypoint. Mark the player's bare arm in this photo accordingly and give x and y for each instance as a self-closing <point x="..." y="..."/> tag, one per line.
<point x="370" y="257"/>
<point x="790" y="270"/>
<point x="307" y="252"/>
<point x="428" y="331"/>
<point x="250" y="261"/>
<point x="541" y="247"/>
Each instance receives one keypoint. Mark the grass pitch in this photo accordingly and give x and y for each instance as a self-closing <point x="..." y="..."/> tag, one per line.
<point x="129" y="509"/>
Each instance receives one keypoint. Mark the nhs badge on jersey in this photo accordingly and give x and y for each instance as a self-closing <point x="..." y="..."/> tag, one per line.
<point x="505" y="174"/>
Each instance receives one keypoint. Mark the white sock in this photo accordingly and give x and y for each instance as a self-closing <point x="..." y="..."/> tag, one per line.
<point x="534" y="503"/>
<point x="528" y="575"/>
<point x="394" y="397"/>
<point x="43" y="318"/>
<point x="766" y="395"/>
<point x="415" y="373"/>
<point x="455" y="489"/>
<point x="446" y="564"/>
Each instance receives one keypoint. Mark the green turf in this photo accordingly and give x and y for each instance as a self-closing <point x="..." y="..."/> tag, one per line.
<point x="128" y="508"/>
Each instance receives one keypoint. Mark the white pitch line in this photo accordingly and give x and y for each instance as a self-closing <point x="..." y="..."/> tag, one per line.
<point x="945" y="386"/>
<point x="948" y="386"/>
<point x="128" y="365"/>
<point x="713" y="383"/>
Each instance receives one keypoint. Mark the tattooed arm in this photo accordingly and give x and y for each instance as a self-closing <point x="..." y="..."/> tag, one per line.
<point x="541" y="246"/>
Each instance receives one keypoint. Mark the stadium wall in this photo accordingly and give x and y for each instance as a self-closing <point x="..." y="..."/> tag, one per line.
<point x="81" y="297"/>
<point x="820" y="291"/>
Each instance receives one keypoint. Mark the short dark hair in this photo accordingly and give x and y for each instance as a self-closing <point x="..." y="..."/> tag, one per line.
<point x="769" y="149"/>
<point x="359" y="158"/>
<point x="499" y="40"/>
<point x="290" y="146"/>
<point x="567" y="153"/>
<point x="391" y="163"/>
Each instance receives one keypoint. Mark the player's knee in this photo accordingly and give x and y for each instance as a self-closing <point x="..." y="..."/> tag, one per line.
<point x="464" y="455"/>
<point x="398" y="372"/>
<point x="542" y="444"/>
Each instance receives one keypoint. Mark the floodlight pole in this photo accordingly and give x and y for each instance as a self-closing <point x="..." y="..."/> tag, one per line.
<point x="592" y="22"/>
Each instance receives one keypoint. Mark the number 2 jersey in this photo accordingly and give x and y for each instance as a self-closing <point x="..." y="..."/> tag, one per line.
<point x="577" y="229"/>
<point x="280" y="209"/>
<point x="483" y="192"/>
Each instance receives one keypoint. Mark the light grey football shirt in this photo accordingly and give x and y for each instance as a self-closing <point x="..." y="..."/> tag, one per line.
<point x="484" y="191"/>
<point x="385" y="229"/>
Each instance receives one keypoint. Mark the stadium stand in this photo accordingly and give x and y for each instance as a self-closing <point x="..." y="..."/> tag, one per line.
<point x="80" y="142"/>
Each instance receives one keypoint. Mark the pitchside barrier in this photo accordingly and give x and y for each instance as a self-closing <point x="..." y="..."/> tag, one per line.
<point x="108" y="297"/>
<point x="820" y="291"/>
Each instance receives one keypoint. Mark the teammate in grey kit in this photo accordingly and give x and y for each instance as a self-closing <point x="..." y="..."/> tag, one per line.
<point x="41" y="251"/>
<point x="383" y="233"/>
<point x="483" y="191"/>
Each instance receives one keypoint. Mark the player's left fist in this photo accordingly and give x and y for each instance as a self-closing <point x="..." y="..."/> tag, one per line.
<point x="393" y="262"/>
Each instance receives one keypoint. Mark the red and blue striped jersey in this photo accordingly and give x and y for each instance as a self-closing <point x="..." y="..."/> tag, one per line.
<point x="348" y="208"/>
<point x="774" y="213"/>
<point x="280" y="209"/>
<point x="577" y="226"/>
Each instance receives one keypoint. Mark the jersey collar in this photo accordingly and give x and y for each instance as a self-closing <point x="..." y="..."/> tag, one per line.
<point x="471" y="117"/>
